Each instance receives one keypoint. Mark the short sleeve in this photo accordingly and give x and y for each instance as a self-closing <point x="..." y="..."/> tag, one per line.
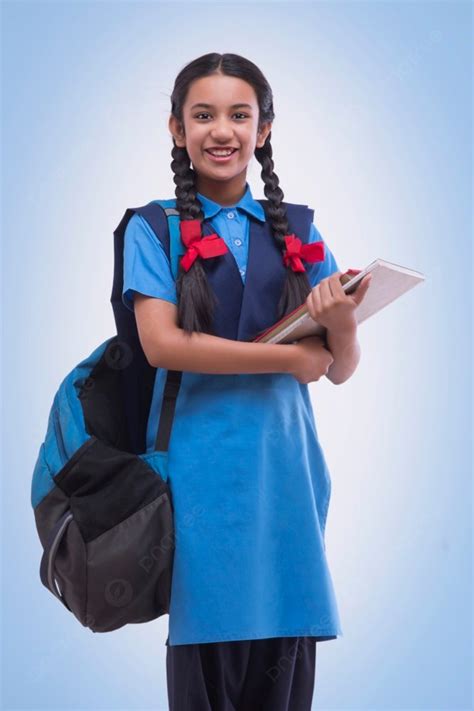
<point x="146" y="268"/>
<point x="320" y="270"/>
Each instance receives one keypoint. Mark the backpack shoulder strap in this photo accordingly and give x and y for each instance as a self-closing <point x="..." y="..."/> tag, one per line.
<point x="139" y="376"/>
<point x="171" y="239"/>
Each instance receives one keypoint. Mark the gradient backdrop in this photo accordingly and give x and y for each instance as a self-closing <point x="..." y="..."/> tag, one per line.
<point x="373" y="130"/>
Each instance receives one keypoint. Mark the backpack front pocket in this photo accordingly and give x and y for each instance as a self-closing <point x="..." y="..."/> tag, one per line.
<point x="128" y="568"/>
<point x="111" y="550"/>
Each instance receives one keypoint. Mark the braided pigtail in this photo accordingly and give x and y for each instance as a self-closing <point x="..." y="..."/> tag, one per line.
<point x="196" y="300"/>
<point x="296" y="287"/>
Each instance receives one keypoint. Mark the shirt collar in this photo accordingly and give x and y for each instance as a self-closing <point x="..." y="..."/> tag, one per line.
<point x="246" y="203"/>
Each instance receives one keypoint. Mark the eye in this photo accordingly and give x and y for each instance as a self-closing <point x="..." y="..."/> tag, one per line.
<point x="205" y="113"/>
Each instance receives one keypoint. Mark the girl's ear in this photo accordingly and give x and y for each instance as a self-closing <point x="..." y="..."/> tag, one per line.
<point x="177" y="130"/>
<point x="262" y="134"/>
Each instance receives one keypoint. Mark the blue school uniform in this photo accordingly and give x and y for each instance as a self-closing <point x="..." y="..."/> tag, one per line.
<point x="248" y="477"/>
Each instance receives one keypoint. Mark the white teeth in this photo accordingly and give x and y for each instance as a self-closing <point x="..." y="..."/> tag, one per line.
<point x="221" y="153"/>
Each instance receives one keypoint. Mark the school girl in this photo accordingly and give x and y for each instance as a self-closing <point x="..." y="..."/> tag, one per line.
<point x="251" y="590"/>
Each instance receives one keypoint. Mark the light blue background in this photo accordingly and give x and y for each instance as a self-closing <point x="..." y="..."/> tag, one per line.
<point x="373" y="130"/>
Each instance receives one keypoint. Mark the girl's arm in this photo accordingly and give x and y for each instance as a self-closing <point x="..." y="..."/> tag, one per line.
<point x="331" y="307"/>
<point x="345" y="350"/>
<point x="167" y="346"/>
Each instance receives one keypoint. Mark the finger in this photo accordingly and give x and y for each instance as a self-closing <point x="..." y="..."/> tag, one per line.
<point x="326" y="294"/>
<point x="317" y="302"/>
<point x="365" y="282"/>
<point x="361" y="291"/>
<point x="310" y="304"/>
<point x="336" y="286"/>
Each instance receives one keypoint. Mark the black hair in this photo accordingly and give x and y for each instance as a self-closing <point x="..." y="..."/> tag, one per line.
<point x="196" y="301"/>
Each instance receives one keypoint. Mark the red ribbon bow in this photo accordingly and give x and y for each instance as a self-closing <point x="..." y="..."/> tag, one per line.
<point x="198" y="246"/>
<point x="296" y="251"/>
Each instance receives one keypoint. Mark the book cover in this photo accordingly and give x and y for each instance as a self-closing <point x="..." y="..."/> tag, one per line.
<point x="389" y="282"/>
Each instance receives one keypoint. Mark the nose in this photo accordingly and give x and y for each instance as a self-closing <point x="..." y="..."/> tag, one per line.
<point x="222" y="130"/>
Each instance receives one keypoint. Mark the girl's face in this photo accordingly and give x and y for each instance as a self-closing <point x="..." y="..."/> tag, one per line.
<point x="229" y="118"/>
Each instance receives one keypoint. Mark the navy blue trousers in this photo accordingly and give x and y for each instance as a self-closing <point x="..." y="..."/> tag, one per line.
<point x="275" y="674"/>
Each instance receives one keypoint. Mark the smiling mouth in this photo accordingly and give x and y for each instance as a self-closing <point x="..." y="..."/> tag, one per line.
<point x="221" y="158"/>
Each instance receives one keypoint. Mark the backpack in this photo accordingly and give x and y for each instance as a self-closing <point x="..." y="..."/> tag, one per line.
<point x="102" y="505"/>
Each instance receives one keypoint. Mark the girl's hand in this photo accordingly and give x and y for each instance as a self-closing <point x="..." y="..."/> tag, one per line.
<point x="312" y="359"/>
<point x="331" y="307"/>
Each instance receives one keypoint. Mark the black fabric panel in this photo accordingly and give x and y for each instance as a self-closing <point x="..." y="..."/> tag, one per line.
<point x="102" y="397"/>
<point x="71" y="573"/>
<point x="49" y="510"/>
<point x="105" y="485"/>
<point x="129" y="569"/>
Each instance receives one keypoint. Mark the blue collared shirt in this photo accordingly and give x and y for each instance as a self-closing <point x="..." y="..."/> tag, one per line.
<point x="147" y="268"/>
<point x="232" y="224"/>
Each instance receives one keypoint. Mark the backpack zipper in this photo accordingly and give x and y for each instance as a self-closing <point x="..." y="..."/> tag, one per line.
<point x="52" y="556"/>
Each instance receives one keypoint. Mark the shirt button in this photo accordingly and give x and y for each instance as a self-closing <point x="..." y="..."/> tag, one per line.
<point x="230" y="215"/>
<point x="242" y="271"/>
<point x="238" y="242"/>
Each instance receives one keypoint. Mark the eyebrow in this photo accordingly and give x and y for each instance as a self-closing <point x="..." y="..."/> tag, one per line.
<point x="210" y="106"/>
